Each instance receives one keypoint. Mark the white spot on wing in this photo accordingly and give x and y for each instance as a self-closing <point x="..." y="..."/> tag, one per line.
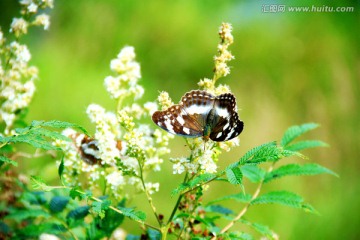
<point x="219" y="135"/>
<point x="229" y="134"/>
<point x="226" y="126"/>
<point x="186" y="130"/>
<point x="198" y="109"/>
<point x="169" y="127"/>
<point x="222" y="112"/>
<point x="180" y="120"/>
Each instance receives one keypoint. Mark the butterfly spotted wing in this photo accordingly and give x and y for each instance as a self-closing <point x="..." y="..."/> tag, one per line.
<point x="200" y="114"/>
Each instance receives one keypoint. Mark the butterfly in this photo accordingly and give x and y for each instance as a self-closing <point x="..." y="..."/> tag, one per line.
<point x="200" y="114"/>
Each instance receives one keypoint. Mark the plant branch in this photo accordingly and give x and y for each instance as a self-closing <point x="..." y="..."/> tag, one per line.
<point x="244" y="210"/>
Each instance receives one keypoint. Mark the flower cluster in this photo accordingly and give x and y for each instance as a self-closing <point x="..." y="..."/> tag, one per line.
<point x="17" y="77"/>
<point x="127" y="72"/>
<point x="123" y="148"/>
<point x="223" y="56"/>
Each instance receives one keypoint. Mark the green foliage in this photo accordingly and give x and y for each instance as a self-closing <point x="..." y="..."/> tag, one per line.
<point x="296" y="131"/>
<point x="239" y="197"/>
<point x="38" y="183"/>
<point x="253" y="172"/>
<point x="100" y="207"/>
<point x="284" y="198"/>
<point x="260" y="228"/>
<point x="58" y="203"/>
<point x="296" y="169"/>
<point x="197" y="181"/>
<point x="234" y="175"/>
<point x="4" y="159"/>
<point x="138" y="216"/>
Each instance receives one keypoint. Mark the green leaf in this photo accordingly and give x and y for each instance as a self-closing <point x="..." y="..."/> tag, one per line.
<point x="266" y="152"/>
<point x="301" y="145"/>
<point x="239" y="197"/>
<point x="48" y="133"/>
<point x="138" y="216"/>
<point x="296" y="131"/>
<point x="8" y="160"/>
<point x="296" y="169"/>
<point x="78" y="213"/>
<point x="197" y="181"/>
<point x="36" y="141"/>
<point x="38" y="183"/>
<point x="253" y="173"/>
<point x="234" y="175"/>
<point x="61" y="167"/>
<point x="153" y="234"/>
<point x="262" y="229"/>
<point x="58" y="124"/>
<point x="284" y="198"/>
<point x="22" y="214"/>
<point x="218" y="209"/>
<point x="100" y="207"/>
<point x="257" y="151"/>
<point x="77" y="193"/>
<point x="58" y="203"/>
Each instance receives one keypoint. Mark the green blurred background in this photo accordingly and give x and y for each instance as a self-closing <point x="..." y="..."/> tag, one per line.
<point x="289" y="68"/>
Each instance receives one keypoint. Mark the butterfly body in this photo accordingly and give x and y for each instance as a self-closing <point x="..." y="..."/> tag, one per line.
<point x="200" y="114"/>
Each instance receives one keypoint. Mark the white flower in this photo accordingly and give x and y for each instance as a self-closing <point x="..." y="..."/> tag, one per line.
<point x="21" y="52"/>
<point x="118" y="234"/>
<point x="95" y="112"/>
<point x="115" y="179"/>
<point x="127" y="54"/>
<point x="25" y="2"/>
<point x="42" y="20"/>
<point x="150" y="107"/>
<point x="19" y="26"/>
<point x="32" y="7"/>
<point x="46" y="236"/>
<point x="48" y="3"/>
<point x="152" y="187"/>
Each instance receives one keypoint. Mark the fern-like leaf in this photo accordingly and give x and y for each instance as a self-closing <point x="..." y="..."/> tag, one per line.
<point x="301" y="145"/>
<point x="284" y="198"/>
<point x="234" y="175"/>
<point x="253" y="173"/>
<point x="296" y="169"/>
<point x="197" y="181"/>
<point x="260" y="228"/>
<point x="296" y="131"/>
<point x="239" y="197"/>
<point x="138" y="216"/>
<point x="38" y="183"/>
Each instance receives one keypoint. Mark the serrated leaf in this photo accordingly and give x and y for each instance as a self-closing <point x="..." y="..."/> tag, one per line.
<point x="138" y="216"/>
<point x="58" y="124"/>
<point x="301" y="145"/>
<point x="239" y="197"/>
<point x="296" y="131"/>
<point x="253" y="173"/>
<point x="266" y="152"/>
<point x="234" y="175"/>
<point x="260" y="228"/>
<point x="256" y="150"/>
<point x="38" y="183"/>
<point x="58" y="203"/>
<point x="218" y="209"/>
<point x="197" y="181"/>
<point x="284" y="198"/>
<point x="297" y="170"/>
<point x="100" y="207"/>
<point x="8" y="160"/>
<point x="48" y="133"/>
<point x="36" y="141"/>
<point x="78" y="213"/>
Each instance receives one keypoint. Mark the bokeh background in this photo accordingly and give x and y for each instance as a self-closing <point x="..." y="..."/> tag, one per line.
<point x="289" y="68"/>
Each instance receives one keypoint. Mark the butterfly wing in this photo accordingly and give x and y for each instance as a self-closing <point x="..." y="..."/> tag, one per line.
<point x="227" y="124"/>
<point x="187" y="118"/>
